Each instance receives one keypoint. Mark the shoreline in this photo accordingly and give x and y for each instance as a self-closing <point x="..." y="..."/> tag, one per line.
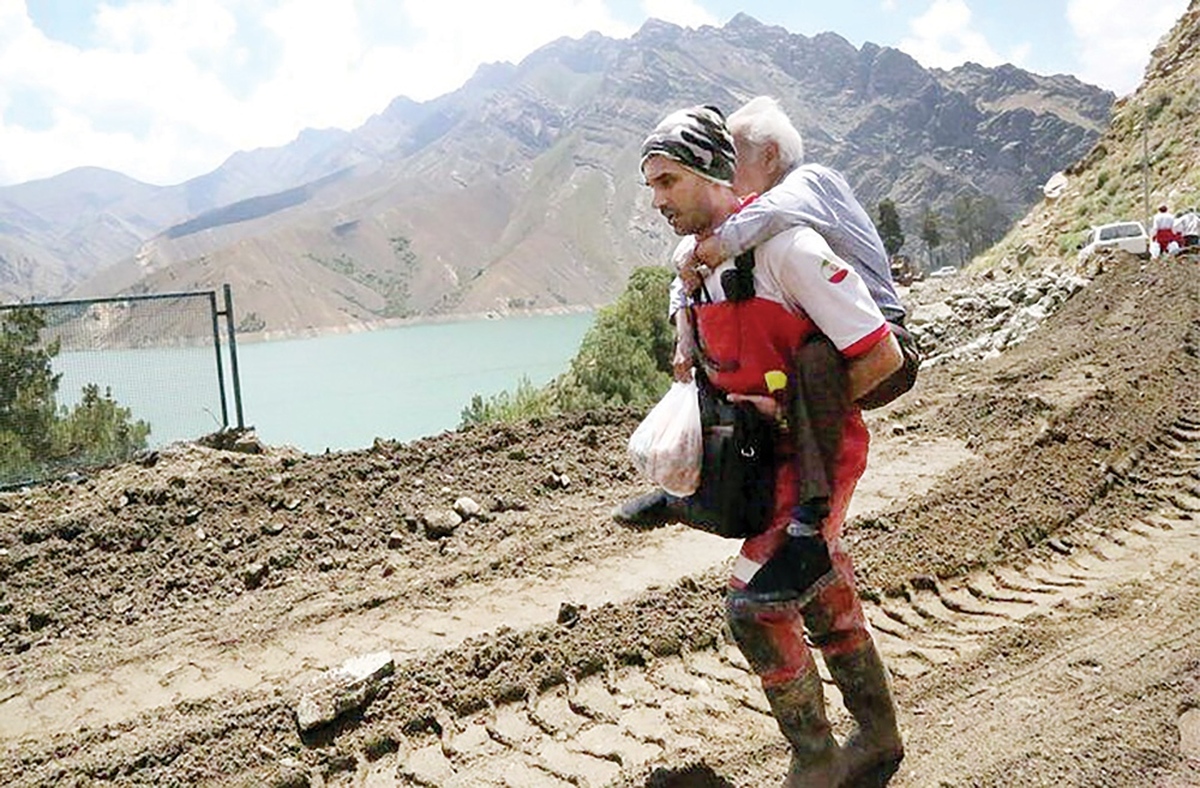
<point x="405" y="322"/>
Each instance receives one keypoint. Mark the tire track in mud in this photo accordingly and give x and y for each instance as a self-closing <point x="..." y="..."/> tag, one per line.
<point x="190" y="666"/>
<point x="635" y="694"/>
<point x="635" y="725"/>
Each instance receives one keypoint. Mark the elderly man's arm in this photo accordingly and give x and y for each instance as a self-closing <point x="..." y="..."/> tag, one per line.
<point x="873" y="367"/>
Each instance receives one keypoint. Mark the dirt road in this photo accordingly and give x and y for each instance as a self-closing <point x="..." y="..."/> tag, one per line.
<point x="1026" y="538"/>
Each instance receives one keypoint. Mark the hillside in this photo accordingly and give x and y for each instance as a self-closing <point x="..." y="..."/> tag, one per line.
<point x="520" y="190"/>
<point x="1150" y="155"/>
<point x="1025" y="537"/>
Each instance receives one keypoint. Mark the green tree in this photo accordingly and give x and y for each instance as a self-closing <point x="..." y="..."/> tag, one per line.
<point x="930" y="234"/>
<point x="526" y="401"/>
<point x="15" y="459"/>
<point x="624" y="358"/>
<point x="98" y="429"/>
<point x="34" y="432"/>
<point x="889" y="227"/>
<point x="978" y="221"/>
<point x="27" y="382"/>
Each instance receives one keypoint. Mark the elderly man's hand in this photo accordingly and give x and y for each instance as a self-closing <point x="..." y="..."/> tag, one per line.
<point x="692" y="273"/>
<point x="708" y="252"/>
<point x="700" y="263"/>
<point x="767" y="406"/>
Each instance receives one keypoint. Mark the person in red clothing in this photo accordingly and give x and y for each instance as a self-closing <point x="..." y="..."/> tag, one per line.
<point x="1162" y="231"/>
<point x="753" y="323"/>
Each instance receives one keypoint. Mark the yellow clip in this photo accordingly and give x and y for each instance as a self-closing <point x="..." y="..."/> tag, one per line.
<point x="776" y="380"/>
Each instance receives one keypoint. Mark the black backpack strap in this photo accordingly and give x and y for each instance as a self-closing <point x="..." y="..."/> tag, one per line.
<point x="738" y="282"/>
<point x="738" y="285"/>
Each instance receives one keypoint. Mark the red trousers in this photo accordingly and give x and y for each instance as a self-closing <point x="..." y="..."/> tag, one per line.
<point x="773" y="637"/>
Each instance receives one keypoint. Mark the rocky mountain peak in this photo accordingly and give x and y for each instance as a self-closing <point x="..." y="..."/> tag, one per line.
<point x="654" y="31"/>
<point x="742" y="22"/>
<point x="520" y="190"/>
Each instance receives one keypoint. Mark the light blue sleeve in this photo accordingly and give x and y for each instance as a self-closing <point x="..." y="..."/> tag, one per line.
<point x="790" y="203"/>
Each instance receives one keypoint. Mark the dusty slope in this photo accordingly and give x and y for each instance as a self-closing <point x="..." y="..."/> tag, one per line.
<point x="1146" y="157"/>
<point x="1029" y="553"/>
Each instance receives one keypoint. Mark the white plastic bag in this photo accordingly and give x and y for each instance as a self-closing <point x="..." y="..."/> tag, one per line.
<point x="668" y="446"/>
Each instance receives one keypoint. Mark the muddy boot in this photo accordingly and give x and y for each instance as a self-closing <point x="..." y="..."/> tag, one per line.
<point x="872" y="753"/>
<point x="799" y="708"/>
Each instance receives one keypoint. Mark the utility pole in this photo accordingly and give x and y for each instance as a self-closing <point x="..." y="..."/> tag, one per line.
<point x="1146" y="163"/>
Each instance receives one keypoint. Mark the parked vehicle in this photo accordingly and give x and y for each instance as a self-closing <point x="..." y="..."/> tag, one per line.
<point x="1127" y="236"/>
<point x="904" y="271"/>
<point x="946" y="270"/>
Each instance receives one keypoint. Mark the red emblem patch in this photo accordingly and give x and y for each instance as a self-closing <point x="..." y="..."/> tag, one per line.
<point x="833" y="272"/>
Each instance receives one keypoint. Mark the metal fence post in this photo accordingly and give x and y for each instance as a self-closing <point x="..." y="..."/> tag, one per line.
<point x="233" y="358"/>
<point x="216" y="332"/>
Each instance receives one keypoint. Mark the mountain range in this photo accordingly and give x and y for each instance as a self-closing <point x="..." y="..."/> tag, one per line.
<point x="521" y="190"/>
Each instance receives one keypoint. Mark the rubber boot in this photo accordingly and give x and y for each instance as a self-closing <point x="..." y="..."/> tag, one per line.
<point x="799" y="708"/>
<point x="873" y="751"/>
<point x="650" y="510"/>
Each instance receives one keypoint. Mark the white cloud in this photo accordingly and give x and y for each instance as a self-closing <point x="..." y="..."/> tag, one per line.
<point x="172" y="87"/>
<point x="1114" y="38"/>
<point x="943" y="37"/>
<point x="169" y="88"/>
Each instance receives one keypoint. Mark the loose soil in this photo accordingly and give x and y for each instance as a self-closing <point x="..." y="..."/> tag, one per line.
<point x="1025" y="537"/>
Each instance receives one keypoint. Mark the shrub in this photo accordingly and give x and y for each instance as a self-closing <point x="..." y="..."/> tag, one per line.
<point x="35" y="435"/>
<point x="624" y="359"/>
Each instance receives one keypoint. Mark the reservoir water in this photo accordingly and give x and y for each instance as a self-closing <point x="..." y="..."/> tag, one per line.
<point x="338" y="391"/>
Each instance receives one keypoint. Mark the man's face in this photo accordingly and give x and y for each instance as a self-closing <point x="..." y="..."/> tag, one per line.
<point x="684" y="198"/>
<point x="753" y="174"/>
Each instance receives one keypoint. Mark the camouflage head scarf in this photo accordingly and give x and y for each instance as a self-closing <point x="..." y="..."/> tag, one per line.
<point x="695" y="137"/>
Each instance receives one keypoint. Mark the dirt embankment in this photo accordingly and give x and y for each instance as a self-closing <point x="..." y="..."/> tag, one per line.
<point x="1026" y="538"/>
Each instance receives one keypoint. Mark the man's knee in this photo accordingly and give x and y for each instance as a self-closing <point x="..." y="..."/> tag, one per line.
<point x="772" y="643"/>
<point x="835" y="620"/>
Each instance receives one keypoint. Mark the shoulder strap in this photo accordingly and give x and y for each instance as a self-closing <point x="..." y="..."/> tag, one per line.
<point x="738" y="282"/>
<point x="738" y="285"/>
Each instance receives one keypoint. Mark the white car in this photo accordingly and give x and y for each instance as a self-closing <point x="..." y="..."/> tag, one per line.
<point x="1127" y="236"/>
<point x="946" y="270"/>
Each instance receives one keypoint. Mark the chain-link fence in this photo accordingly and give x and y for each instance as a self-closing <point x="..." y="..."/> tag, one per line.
<point x="89" y="382"/>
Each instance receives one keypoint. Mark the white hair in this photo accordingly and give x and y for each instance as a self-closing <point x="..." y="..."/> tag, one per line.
<point x="761" y="120"/>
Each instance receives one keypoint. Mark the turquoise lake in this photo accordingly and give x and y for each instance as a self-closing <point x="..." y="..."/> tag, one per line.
<point x="337" y="391"/>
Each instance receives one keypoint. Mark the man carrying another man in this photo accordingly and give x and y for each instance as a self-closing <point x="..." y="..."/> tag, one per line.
<point x="770" y="153"/>
<point x="801" y="288"/>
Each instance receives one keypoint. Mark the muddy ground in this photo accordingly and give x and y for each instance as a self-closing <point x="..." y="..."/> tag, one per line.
<point x="1026" y="538"/>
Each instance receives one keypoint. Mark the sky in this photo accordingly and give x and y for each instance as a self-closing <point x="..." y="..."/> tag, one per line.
<point x="166" y="90"/>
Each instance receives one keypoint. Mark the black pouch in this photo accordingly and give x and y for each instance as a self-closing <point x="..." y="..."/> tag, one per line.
<point x="736" y="496"/>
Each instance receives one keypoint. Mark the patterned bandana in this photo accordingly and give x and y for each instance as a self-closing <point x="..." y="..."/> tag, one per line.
<point x="696" y="138"/>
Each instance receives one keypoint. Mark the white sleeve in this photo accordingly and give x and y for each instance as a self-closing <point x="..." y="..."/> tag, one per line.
<point x="814" y="280"/>
<point x="678" y="299"/>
